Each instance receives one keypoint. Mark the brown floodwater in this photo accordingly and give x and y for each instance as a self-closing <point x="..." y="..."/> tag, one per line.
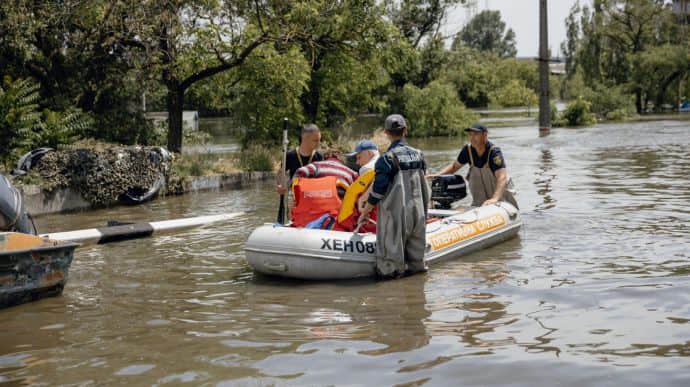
<point x="594" y="291"/>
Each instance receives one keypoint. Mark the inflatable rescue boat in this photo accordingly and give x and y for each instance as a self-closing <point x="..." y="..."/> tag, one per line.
<point x="317" y="254"/>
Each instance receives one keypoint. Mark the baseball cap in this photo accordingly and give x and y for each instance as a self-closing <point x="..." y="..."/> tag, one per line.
<point x="477" y="128"/>
<point x="395" y="123"/>
<point x="362" y="146"/>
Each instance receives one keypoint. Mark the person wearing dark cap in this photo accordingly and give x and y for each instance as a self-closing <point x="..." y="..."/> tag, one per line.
<point x="402" y="196"/>
<point x="488" y="177"/>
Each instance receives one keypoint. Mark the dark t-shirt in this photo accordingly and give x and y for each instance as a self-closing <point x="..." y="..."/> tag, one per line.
<point x="496" y="160"/>
<point x="293" y="162"/>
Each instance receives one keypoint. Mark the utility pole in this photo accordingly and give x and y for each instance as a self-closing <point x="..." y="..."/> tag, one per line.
<point x="544" y="100"/>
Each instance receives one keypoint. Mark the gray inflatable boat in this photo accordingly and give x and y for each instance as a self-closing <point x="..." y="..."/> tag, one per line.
<point x="326" y="255"/>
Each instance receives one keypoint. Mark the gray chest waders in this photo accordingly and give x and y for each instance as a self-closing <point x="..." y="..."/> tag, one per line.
<point x="482" y="182"/>
<point x="401" y="225"/>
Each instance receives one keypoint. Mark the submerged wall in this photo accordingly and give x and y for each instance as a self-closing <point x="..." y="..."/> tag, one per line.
<point x="38" y="201"/>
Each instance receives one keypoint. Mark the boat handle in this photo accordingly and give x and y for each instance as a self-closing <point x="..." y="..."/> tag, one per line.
<point x="476" y="218"/>
<point x="275" y="266"/>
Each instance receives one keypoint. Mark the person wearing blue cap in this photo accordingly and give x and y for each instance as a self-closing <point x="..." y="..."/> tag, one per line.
<point x="402" y="196"/>
<point x="488" y="176"/>
<point x="366" y="153"/>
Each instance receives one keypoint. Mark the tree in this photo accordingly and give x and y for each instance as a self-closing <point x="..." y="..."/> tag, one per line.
<point x="514" y="93"/>
<point x="73" y="50"/>
<point x="433" y="58"/>
<point x="487" y="32"/>
<point x="435" y="110"/>
<point x="657" y="68"/>
<point x="418" y="54"/>
<point x="341" y="40"/>
<point x="474" y="76"/>
<point x="185" y="42"/>
<point x="277" y="80"/>
<point x="570" y="45"/>
<point x="418" y="19"/>
<point x="613" y="32"/>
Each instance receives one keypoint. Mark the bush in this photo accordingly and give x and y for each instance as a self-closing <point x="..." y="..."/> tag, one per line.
<point x="435" y="110"/>
<point x="577" y="113"/>
<point x="611" y="103"/>
<point x="257" y="158"/>
<point x="60" y="128"/>
<point x="24" y="127"/>
<point x="19" y="116"/>
<point x="512" y="94"/>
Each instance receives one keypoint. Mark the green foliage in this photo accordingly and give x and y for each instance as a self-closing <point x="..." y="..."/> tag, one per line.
<point x="610" y="102"/>
<point x="61" y="128"/>
<point x="266" y="89"/>
<point x="257" y="158"/>
<point x="577" y="113"/>
<point x="433" y="59"/>
<point x="554" y="114"/>
<point x="487" y="32"/>
<point x="346" y="86"/>
<point x="513" y="94"/>
<point x="574" y="85"/>
<point x="435" y="110"/>
<point x="472" y="76"/>
<point x="311" y="61"/>
<point x="656" y="69"/>
<point x="19" y="116"/>
<point x="526" y="71"/>
<point x="635" y="44"/>
<point x="418" y="19"/>
<point x="342" y="41"/>
<point x="25" y="128"/>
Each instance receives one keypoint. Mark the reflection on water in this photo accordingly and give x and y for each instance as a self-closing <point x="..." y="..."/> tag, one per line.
<point x="594" y="291"/>
<point x="544" y="179"/>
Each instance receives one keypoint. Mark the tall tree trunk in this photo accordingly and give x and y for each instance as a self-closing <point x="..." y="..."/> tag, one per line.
<point x="664" y="87"/>
<point x="638" y="101"/>
<point x="311" y="99"/>
<point x="175" y="105"/>
<point x="544" y="99"/>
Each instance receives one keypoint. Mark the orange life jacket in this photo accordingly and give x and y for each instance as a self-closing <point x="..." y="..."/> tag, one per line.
<point x="313" y="198"/>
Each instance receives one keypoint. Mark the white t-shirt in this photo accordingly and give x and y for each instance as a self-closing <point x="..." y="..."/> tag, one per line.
<point x="369" y="165"/>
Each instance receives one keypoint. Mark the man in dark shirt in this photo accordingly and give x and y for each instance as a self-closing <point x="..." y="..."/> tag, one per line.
<point x="488" y="177"/>
<point x="304" y="154"/>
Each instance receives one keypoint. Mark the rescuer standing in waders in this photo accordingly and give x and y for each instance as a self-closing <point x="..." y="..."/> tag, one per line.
<point x="402" y="196"/>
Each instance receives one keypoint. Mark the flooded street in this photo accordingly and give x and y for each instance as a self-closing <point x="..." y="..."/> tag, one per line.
<point x="594" y="291"/>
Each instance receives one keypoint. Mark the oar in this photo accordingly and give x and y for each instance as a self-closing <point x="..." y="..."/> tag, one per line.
<point x="135" y="230"/>
<point x="281" y="205"/>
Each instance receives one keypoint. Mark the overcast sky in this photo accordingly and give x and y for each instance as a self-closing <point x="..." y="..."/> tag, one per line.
<point x="523" y="17"/>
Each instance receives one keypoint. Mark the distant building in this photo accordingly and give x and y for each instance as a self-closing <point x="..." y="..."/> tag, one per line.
<point x="557" y="68"/>
<point x="190" y="118"/>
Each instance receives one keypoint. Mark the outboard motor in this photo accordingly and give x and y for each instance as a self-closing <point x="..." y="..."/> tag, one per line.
<point x="12" y="214"/>
<point x="446" y="189"/>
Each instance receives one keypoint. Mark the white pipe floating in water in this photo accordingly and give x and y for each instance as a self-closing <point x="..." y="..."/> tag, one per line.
<point x="136" y="230"/>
